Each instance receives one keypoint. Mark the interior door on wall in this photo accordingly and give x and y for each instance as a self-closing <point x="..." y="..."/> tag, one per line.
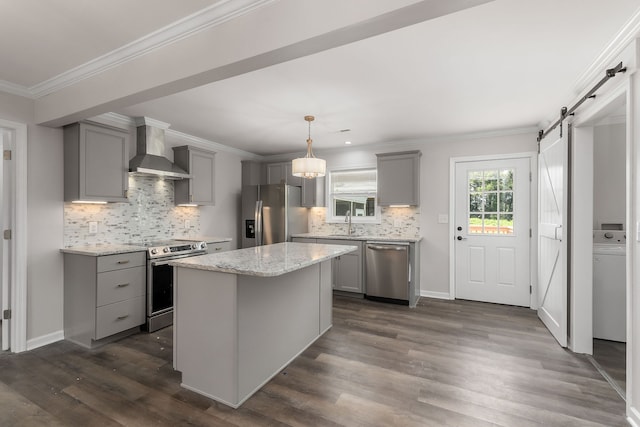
<point x="5" y="210"/>
<point x="492" y="230"/>
<point x="552" y="239"/>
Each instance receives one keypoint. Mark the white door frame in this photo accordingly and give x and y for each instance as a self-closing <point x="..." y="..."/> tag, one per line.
<point x="533" y="205"/>
<point x="18" y="243"/>
<point x="581" y="298"/>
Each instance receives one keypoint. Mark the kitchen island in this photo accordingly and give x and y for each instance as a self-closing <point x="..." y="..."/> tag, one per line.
<point x="242" y="316"/>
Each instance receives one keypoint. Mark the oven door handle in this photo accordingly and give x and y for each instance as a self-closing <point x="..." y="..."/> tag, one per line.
<point x="167" y="261"/>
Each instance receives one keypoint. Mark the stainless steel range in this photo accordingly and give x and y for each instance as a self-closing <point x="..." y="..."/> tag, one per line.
<point x="160" y="278"/>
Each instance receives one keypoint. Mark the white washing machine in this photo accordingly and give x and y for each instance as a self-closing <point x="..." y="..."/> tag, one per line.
<point x="609" y="285"/>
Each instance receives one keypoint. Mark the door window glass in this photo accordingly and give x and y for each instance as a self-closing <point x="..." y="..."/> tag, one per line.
<point x="490" y="209"/>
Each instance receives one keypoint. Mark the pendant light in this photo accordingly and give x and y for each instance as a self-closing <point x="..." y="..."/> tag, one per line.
<point x="308" y="166"/>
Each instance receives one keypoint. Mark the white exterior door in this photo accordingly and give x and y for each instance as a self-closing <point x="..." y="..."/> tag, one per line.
<point x="552" y="244"/>
<point x="492" y="230"/>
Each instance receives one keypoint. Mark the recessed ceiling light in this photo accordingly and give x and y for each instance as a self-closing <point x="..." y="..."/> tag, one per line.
<point x="347" y="143"/>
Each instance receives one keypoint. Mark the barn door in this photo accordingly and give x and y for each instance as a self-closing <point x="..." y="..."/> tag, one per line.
<point x="553" y="186"/>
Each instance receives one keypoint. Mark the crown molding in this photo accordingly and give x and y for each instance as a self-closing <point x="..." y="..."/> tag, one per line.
<point x="208" y="145"/>
<point x="607" y="57"/>
<point x="411" y="144"/>
<point x="202" y="20"/>
<point x="127" y="123"/>
<point x="15" y="89"/>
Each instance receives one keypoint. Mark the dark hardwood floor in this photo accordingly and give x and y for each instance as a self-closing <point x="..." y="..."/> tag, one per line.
<point x="444" y="363"/>
<point x="612" y="357"/>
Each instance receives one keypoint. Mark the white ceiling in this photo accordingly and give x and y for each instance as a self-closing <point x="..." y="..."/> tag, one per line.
<point x="503" y="65"/>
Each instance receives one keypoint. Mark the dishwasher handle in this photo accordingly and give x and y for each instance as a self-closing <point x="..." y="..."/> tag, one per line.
<point x="386" y="248"/>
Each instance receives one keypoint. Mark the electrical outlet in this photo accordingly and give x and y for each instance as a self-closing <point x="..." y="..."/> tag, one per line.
<point x="93" y="227"/>
<point x="187" y="224"/>
<point x="443" y="219"/>
<point x="397" y="223"/>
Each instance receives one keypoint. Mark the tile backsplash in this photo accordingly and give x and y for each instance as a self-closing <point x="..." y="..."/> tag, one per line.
<point x="149" y="215"/>
<point x="407" y="218"/>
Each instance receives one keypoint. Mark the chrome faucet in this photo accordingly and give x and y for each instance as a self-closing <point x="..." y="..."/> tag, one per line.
<point x="347" y="219"/>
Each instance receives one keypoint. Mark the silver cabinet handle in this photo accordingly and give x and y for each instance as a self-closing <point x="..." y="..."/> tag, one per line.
<point x="122" y="317"/>
<point x="386" y="248"/>
<point x="124" y="261"/>
<point x="122" y="285"/>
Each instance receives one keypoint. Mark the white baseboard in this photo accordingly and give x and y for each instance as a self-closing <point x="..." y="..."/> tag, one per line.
<point x="634" y="417"/>
<point x="438" y="295"/>
<point x="43" y="340"/>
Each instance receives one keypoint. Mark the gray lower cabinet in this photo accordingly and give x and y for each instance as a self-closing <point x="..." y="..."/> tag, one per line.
<point x="96" y="163"/>
<point x="347" y="268"/>
<point x="303" y="240"/>
<point x="104" y="296"/>
<point x="399" y="178"/>
<point x="200" y="188"/>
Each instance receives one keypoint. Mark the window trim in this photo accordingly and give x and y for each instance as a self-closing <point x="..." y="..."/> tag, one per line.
<point x="332" y="219"/>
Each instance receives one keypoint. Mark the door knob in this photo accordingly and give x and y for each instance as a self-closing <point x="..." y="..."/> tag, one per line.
<point x="459" y="228"/>
<point x="460" y="238"/>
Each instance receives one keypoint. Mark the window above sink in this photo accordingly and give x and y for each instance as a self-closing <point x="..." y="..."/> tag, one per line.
<point x="352" y="190"/>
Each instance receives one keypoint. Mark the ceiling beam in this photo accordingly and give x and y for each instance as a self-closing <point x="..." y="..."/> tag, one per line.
<point x="275" y="33"/>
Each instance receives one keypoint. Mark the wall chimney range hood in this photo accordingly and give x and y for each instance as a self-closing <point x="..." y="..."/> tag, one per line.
<point x="149" y="159"/>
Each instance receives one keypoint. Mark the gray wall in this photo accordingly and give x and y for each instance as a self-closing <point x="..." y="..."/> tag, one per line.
<point x="609" y="174"/>
<point x="45" y="272"/>
<point x="434" y="187"/>
<point x="44" y="221"/>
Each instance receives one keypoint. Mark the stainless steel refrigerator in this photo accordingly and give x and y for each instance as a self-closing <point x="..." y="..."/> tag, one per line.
<point x="271" y="214"/>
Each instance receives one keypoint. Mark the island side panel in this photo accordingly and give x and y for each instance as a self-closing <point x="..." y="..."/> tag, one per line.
<point x="278" y="318"/>
<point x="326" y="297"/>
<point x="206" y="333"/>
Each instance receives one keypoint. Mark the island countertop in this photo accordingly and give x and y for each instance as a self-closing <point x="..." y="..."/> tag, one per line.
<point x="361" y="237"/>
<point x="265" y="261"/>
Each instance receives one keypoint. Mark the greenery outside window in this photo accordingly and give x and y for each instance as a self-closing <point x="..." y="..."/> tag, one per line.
<point x="353" y="190"/>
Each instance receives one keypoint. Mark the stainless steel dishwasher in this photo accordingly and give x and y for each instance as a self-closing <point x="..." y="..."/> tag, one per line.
<point x="387" y="272"/>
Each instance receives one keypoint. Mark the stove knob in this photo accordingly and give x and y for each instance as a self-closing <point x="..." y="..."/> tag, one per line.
<point x="154" y="251"/>
<point x="194" y="246"/>
<point x="203" y="245"/>
<point x="165" y="250"/>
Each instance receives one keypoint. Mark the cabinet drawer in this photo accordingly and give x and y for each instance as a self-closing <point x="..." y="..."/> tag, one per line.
<point x="119" y="285"/>
<point x="119" y="261"/>
<point x="119" y="316"/>
<point x="214" y="248"/>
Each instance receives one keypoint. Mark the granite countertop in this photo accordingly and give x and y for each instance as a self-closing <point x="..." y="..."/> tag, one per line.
<point x="206" y="239"/>
<point x="265" y="261"/>
<point x="99" y="249"/>
<point x="363" y="237"/>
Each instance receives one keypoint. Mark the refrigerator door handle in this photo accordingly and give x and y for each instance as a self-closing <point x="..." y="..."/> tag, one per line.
<point x="258" y="222"/>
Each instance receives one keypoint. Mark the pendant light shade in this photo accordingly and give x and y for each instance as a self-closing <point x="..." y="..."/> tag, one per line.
<point x="309" y="166"/>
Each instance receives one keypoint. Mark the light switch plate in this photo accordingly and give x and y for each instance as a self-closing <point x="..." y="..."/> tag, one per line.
<point x="187" y="224"/>
<point x="397" y="223"/>
<point x="443" y="219"/>
<point x="93" y="227"/>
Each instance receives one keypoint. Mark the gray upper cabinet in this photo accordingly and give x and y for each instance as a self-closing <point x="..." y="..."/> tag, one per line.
<point x="399" y="178"/>
<point x="253" y="173"/>
<point x="280" y="173"/>
<point x="313" y="192"/>
<point x="96" y="163"/>
<point x="200" y="164"/>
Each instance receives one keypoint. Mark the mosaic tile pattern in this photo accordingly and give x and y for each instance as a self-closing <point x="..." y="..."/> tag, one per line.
<point x="409" y="223"/>
<point x="150" y="215"/>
